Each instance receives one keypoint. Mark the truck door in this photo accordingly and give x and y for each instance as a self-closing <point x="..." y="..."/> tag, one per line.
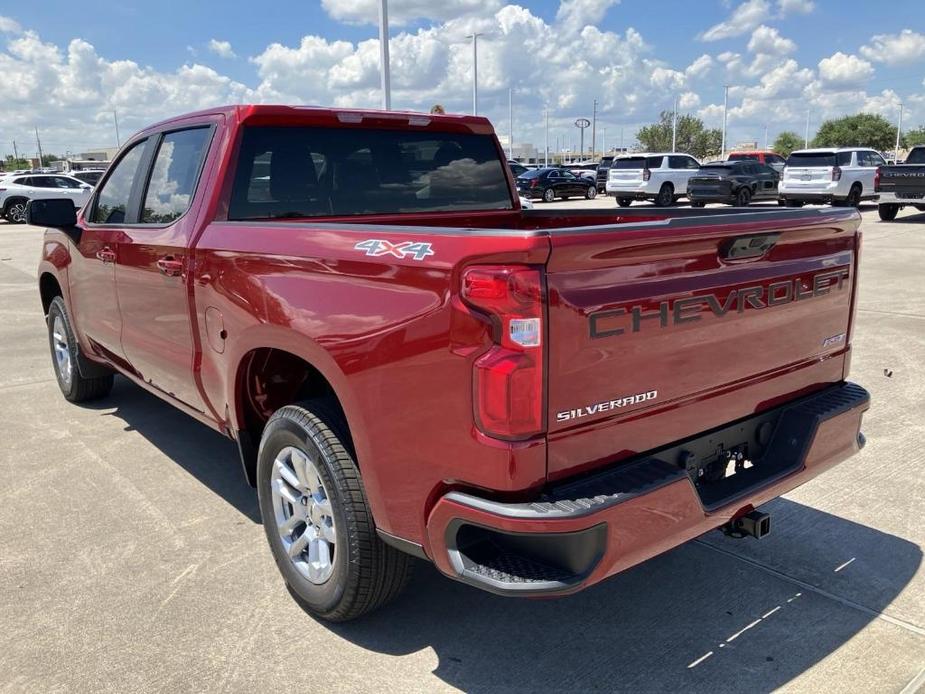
<point x="91" y="275"/>
<point x="153" y="273"/>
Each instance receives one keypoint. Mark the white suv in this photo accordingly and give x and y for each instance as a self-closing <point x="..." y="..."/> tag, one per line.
<point x="837" y="176"/>
<point x="661" y="177"/>
<point x="17" y="191"/>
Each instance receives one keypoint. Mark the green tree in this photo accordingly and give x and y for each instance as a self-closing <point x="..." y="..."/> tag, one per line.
<point x="786" y="142"/>
<point x="861" y="130"/>
<point x="914" y="137"/>
<point x="693" y="137"/>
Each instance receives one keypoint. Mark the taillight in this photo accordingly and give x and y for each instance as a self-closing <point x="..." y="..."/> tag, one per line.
<point x="508" y="378"/>
<point x="533" y="183"/>
<point x="646" y="174"/>
<point x="877" y="180"/>
<point x="836" y="173"/>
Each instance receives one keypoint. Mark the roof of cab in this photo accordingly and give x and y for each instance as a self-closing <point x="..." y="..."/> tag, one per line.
<point x="832" y="150"/>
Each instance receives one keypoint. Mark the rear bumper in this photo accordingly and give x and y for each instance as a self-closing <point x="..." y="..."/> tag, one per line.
<point x="893" y="199"/>
<point x="585" y="530"/>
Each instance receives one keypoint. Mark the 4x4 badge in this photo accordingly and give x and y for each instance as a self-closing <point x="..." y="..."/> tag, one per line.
<point x="402" y="249"/>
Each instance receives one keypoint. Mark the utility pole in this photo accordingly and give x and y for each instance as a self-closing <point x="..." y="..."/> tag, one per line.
<point x="899" y="130"/>
<point x="766" y="136"/>
<point x="510" y="123"/>
<point x="546" y="118"/>
<point x="475" y="72"/>
<point x="15" y="151"/>
<point x="115" y="118"/>
<point x="38" y="144"/>
<point x="621" y="138"/>
<point x="385" y="77"/>
<point x="603" y="140"/>
<point x="806" y="135"/>
<point x="674" y="127"/>
<point x="722" y="153"/>
<point x="594" y="130"/>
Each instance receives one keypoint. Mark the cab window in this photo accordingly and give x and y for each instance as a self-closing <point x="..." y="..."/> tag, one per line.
<point x="113" y="199"/>
<point x="173" y="178"/>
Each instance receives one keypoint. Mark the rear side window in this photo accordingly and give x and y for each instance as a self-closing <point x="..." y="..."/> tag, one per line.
<point x="112" y="202"/>
<point x="773" y="159"/>
<point x="654" y="162"/>
<point x="811" y="159"/>
<point x="844" y="159"/>
<point x="916" y="156"/>
<point x="173" y="178"/>
<point x="27" y="181"/>
<point x="61" y="182"/>
<point x="313" y="172"/>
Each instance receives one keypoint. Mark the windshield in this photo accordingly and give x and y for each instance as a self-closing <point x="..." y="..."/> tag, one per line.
<point x="811" y="159"/>
<point x="916" y="156"/>
<point x="291" y="172"/>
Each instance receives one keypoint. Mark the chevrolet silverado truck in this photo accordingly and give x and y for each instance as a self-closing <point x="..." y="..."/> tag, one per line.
<point x="413" y="366"/>
<point x="901" y="184"/>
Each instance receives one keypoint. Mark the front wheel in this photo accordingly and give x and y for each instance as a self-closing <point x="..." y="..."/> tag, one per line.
<point x="665" y="195"/>
<point x="888" y="212"/>
<point x="64" y="355"/>
<point x="743" y="197"/>
<point x="592" y="193"/>
<point x="549" y="195"/>
<point x="698" y="203"/>
<point x="624" y="202"/>
<point x="793" y="203"/>
<point x="317" y="518"/>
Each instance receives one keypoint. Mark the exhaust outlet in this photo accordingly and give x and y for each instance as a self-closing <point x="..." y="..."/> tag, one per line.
<point x="754" y="524"/>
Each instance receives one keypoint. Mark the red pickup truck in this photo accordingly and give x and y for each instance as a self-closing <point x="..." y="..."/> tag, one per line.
<point x="410" y="364"/>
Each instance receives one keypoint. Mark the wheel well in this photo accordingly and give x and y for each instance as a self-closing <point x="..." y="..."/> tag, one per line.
<point x="10" y="200"/>
<point x="48" y="289"/>
<point x="269" y="379"/>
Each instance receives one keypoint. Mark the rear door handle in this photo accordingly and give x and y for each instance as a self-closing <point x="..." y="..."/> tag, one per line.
<point x="107" y="255"/>
<point x="170" y="266"/>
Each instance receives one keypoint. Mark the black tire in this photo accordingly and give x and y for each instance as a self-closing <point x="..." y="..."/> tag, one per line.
<point x="888" y="212"/>
<point x="367" y="573"/>
<point x="665" y="197"/>
<point x="74" y="386"/>
<point x="14" y="211"/>
<point x="854" y="196"/>
<point x="549" y="195"/>
<point x="591" y="193"/>
<point x="793" y="203"/>
<point x="743" y="197"/>
<point x="698" y="203"/>
<point x="624" y="202"/>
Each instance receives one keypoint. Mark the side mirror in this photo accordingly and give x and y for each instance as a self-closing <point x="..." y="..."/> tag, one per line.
<point x="57" y="212"/>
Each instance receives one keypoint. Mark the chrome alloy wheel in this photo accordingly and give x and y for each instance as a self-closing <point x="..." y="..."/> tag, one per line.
<point x="303" y="514"/>
<point x="17" y="212"/>
<point x="62" y="352"/>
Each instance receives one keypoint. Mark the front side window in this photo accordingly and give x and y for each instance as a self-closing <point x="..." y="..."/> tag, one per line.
<point x="173" y="178"/>
<point x="62" y="182"/>
<point x="112" y="202"/>
<point x="314" y="172"/>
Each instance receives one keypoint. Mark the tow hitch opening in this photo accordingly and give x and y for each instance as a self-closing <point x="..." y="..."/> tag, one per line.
<point x="754" y="524"/>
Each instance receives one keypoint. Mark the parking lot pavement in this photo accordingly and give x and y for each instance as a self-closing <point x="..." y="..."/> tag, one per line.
<point x="133" y="558"/>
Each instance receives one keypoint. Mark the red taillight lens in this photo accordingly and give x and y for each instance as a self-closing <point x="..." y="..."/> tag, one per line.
<point x="646" y="174"/>
<point x="877" y="180"/>
<point x="836" y="174"/>
<point x="534" y="183"/>
<point x="508" y="378"/>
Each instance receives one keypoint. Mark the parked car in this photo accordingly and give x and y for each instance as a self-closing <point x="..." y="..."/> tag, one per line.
<point x="517" y="168"/>
<point x="17" y="191"/>
<point x="587" y="170"/>
<point x="836" y="176"/>
<point x="89" y="176"/>
<point x="600" y="175"/>
<point x="772" y="159"/>
<point x="532" y="401"/>
<point x="901" y="184"/>
<point x="552" y="183"/>
<point x="734" y="183"/>
<point x="659" y="177"/>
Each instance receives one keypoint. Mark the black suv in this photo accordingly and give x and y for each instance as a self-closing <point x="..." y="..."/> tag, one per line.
<point x="603" y="169"/>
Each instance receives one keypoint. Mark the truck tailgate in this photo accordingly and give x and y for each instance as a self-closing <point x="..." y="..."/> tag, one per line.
<point x="665" y="329"/>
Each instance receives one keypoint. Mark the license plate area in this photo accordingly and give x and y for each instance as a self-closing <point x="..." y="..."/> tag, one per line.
<point x="910" y="196"/>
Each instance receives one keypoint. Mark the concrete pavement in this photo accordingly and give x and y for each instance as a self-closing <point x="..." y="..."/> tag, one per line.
<point x="133" y="559"/>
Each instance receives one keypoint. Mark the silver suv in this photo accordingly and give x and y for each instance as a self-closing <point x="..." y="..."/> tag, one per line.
<point x="836" y="176"/>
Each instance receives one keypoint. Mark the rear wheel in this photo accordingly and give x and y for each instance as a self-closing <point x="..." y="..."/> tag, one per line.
<point x="665" y="195"/>
<point x="697" y="203"/>
<point x="592" y="192"/>
<point x="743" y="197"/>
<point x="793" y="203"/>
<point x="15" y="210"/>
<point x="317" y="518"/>
<point x="549" y="195"/>
<point x="854" y="196"/>
<point x="64" y="355"/>
<point x="624" y="202"/>
<point x="888" y="212"/>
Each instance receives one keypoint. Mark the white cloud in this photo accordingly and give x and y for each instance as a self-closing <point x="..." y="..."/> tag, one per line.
<point x="404" y="11"/>
<point x="575" y="15"/>
<point x="9" y="26"/>
<point x="744" y="18"/>
<point x="796" y="6"/>
<point x="221" y="48"/>
<point x="904" y="48"/>
<point x="689" y="100"/>
<point x="769" y="41"/>
<point x="700" y="67"/>
<point x="843" y="70"/>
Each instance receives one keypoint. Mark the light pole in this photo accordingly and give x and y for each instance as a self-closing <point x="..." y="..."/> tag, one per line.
<point x="722" y="153"/>
<point x="510" y="123"/>
<point x="546" y="118"/>
<point x="674" y="127"/>
<point x="385" y="78"/>
<point x="38" y="144"/>
<point x="115" y="119"/>
<point x="806" y="133"/>
<point x="765" y="136"/>
<point x="594" y="129"/>
<point x="899" y="130"/>
<point x="475" y="72"/>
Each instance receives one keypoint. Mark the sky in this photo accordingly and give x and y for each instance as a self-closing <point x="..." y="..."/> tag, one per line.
<point x="66" y="66"/>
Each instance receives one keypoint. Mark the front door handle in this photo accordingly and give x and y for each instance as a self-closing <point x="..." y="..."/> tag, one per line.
<point x="107" y="255"/>
<point x="170" y="266"/>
